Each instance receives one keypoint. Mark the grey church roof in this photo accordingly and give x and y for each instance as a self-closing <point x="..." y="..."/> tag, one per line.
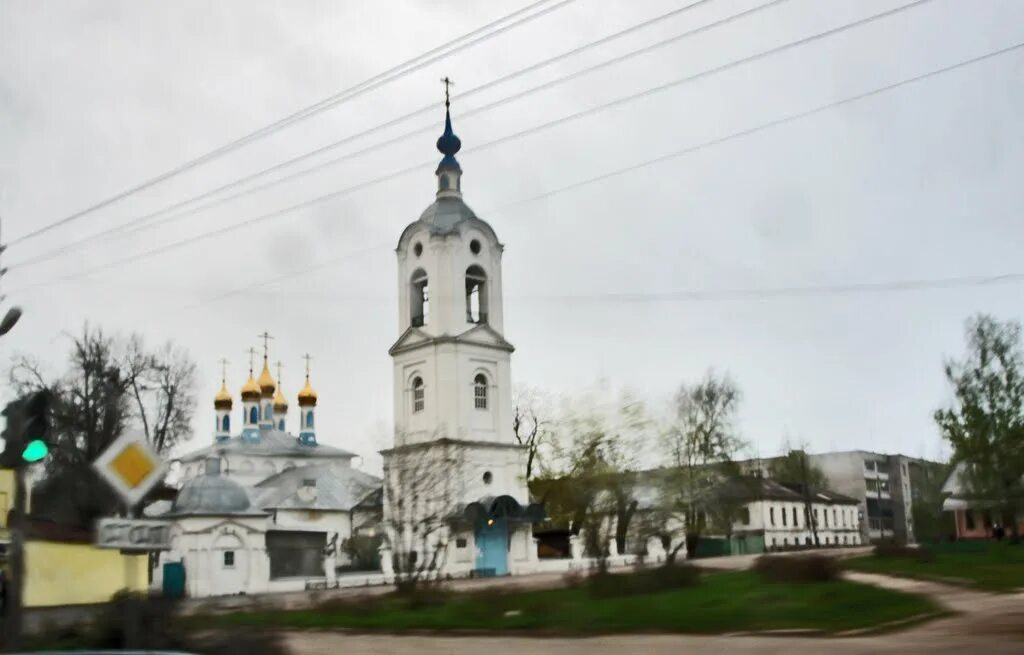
<point x="211" y="495"/>
<point x="271" y="443"/>
<point x="446" y="216"/>
<point x="337" y="488"/>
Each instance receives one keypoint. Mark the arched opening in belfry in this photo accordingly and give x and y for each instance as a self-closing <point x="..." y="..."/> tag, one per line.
<point x="476" y="295"/>
<point x="419" y="298"/>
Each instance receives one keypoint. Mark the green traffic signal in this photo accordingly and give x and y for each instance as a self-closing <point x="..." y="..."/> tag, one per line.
<point x="35" y="451"/>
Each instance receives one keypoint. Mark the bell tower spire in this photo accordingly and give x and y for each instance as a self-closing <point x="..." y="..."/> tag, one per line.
<point x="449" y="173"/>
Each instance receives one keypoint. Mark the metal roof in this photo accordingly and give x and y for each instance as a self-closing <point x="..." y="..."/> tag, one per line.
<point x="271" y="443"/>
<point x="337" y="488"/>
<point x="212" y="495"/>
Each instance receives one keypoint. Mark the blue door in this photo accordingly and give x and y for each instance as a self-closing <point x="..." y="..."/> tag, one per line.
<point x="174" y="580"/>
<point x="492" y="547"/>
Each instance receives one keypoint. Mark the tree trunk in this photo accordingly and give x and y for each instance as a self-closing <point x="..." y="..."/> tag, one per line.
<point x="691" y="545"/>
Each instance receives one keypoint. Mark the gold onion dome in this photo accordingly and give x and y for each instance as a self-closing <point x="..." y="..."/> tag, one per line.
<point x="250" y="390"/>
<point x="280" y="402"/>
<point x="223" y="398"/>
<point x="307" y="397"/>
<point x="266" y="381"/>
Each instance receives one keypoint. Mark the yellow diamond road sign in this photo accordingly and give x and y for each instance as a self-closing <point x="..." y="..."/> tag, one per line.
<point x="131" y="467"/>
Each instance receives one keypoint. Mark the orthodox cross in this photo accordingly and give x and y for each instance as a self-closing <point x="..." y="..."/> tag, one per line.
<point x="224" y="370"/>
<point x="252" y="353"/>
<point x="266" y="342"/>
<point x="447" y="81"/>
<point x="279" y="365"/>
<point x="307" y="358"/>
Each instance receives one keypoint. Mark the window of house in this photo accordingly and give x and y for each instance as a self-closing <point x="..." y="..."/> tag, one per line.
<point x="969" y="519"/>
<point x="744" y="516"/>
<point x="771" y="515"/>
<point x="796" y="522"/>
<point x="480" y="391"/>
<point x="824" y="513"/>
<point x="460" y="542"/>
<point x="783" y="516"/>
<point x="419" y="298"/>
<point x="227" y="423"/>
<point x="309" y="420"/>
<point x="418" y="395"/>
<point x="807" y="541"/>
<point x="834" y="514"/>
<point x="229" y="558"/>
<point x="280" y="425"/>
<point x="254" y="415"/>
<point x="476" y="295"/>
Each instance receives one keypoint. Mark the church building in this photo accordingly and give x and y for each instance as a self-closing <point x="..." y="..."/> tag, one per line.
<point x="264" y="509"/>
<point x="455" y="494"/>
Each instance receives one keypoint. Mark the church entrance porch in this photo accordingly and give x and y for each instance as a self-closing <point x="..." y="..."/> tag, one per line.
<point x="492" y="546"/>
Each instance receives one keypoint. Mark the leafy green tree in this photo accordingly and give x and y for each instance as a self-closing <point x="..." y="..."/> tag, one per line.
<point x="595" y="451"/>
<point x="700" y="444"/>
<point x="985" y="422"/>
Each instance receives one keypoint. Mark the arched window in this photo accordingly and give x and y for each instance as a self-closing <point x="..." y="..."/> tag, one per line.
<point x="419" y="298"/>
<point x="476" y="295"/>
<point x="309" y="419"/>
<point x="418" y="395"/>
<point x="254" y="415"/>
<point x="268" y="412"/>
<point x="226" y="423"/>
<point x="480" y="391"/>
<point x="280" y="425"/>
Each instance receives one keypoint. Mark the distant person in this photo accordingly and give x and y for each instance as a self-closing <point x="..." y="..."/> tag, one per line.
<point x="999" y="532"/>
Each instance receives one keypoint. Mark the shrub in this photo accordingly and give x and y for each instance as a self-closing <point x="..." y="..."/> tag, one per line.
<point x="132" y="621"/>
<point x="920" y="554"/>
<point x="644" y="581"/>
<point x="799" y="568"/>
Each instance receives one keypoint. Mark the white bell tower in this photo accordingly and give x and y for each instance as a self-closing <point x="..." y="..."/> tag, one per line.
<point x="452" y="384"/>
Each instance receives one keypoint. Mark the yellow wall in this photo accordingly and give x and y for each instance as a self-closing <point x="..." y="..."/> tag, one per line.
<point x="6" y="494"/>
<point x="71" y="574"/>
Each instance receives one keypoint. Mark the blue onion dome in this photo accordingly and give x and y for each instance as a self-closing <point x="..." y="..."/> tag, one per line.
<point x="448" y="144"/>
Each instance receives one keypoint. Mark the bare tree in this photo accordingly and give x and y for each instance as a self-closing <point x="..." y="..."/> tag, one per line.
<point x="700" y="444"/>
<point x="795" y="470"/>
<point x="422" y="489"/>
<point x="530" y="428"/>
<point x="110" y="384"/>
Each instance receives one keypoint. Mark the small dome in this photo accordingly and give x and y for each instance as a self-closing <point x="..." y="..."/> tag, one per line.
<point x="307" y="397"/>
<point x="266" y="381"/>
<point x="223" y="398"/>
<point x="250" y="390"/>
<point x="280" y="402"/>
<point x="210" y="494"/>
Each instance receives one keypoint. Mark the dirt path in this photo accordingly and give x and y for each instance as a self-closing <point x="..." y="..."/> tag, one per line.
<point x="992" y="624"/>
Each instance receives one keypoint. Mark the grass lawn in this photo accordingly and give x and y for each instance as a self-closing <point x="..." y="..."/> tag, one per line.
<point x="989" y="566"/>
<point x="720" y="602"/>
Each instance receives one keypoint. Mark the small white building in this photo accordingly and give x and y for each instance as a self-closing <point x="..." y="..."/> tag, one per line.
<point x="264" y="510"/>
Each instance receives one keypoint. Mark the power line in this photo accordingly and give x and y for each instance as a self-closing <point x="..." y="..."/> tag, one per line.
<point x="658" y="160"/>
<point x="146" y="221"/>
<point x="531" y="131"/>
<point x="471" y="38"/>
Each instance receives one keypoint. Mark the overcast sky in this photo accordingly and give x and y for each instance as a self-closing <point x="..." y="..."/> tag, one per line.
<point x="922" y="182"/>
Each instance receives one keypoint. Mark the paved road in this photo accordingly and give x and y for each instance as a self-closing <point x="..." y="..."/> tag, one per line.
<point x="992" y="624"/>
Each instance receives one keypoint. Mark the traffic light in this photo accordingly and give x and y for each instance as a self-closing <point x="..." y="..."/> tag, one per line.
<point x="28" y="430"/>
